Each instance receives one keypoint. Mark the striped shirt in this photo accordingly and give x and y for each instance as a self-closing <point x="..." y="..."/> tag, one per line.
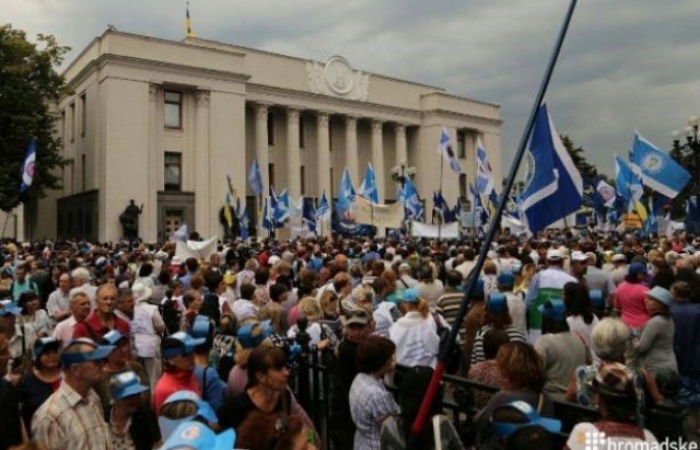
<point x="448" y="307"/>
<point x="478" y="355"/>
<point x="68" y="421"/>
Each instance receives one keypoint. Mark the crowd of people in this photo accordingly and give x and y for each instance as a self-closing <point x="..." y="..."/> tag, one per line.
<point x="131" y="346"/>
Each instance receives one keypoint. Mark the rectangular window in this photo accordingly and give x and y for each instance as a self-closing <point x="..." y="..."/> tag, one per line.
<point x="270" y="129"/>
<point x="302" y="178"/>
<point x="72" y="122"/>
<point x="463" y="186"/>
<point x="271" y="172"/>
<point x="63" y="126"/>
<point x="83" y="173"/>
<point x="83" y="114"/>
<point x="302" y="135"/>
<point x="173" y="171"/>
<point x="173" y="109"/>
<point x="461" y="145"/>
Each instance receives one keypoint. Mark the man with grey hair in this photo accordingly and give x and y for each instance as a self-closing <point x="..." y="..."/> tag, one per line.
<point x="81" y="283"/>
<point x="79" y="309"/>
<point x="58" y="304"/>
<point x="72" y="417"/>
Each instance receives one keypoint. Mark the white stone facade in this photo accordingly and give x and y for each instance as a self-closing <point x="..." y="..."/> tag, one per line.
<point x="304" y="121"/>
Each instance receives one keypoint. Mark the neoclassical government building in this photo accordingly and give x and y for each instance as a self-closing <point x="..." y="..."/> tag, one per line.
<point x="164" y="122"/>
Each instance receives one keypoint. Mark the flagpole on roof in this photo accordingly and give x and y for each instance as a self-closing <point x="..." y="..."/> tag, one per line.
<point x="440" y="219"/>
<point x="444" y="354"/>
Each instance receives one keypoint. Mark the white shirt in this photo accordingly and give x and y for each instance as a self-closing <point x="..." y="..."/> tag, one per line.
<point x="516" y="308"/>
<point x="383" y="319"/>
<point x="89" y="290"/>
<point x="143" y="330"/>
<point x="64" y="330"/>
<point x="465" y="268"/>
<point x="416" y="339"/>
<point x="244" y="310"/>
<point x="58" y="301"/>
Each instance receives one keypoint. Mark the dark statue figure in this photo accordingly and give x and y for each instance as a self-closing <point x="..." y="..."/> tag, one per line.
<point x="130" y="220"/>
<point x="230" y="232"/>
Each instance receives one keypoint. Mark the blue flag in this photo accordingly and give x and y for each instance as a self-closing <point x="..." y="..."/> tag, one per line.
<point x="243" y="222"/>
<point x="309" y="214"/>
<point x="267" y="221"/>
<point x="658" y="170"/>
<point x="448" y="155"/>
<point x="413" y="207"/>
<point x="556" y="187"/>
<point x="627" y="183"/>
<point x="369" y="186"/>
<point x="323" y="212"/>
<point x="254" y="178"/>
<point x="281" y="211"/>
<point x="28" y="166"/>
<point x="346" y="195"/>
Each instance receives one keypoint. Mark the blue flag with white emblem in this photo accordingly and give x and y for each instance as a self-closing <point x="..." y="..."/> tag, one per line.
<point x="28" y="166"/>
<point x="658" y="170"/>
<point x="555" y="189"/>
<point x="445" y="149"/>
<point x="254" y="178"/>
<point x="369" y="186"/>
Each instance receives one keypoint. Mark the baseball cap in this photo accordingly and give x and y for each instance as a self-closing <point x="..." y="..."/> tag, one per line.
<point x="186" y="347"/>
<point x="200" y="327"/>
<point x="579" y="256"/>
<point x="661" y="295"/>
<point x="497" y="303"/>
<point x="113" y="337"/>
<point x="411" y="295"/>
<point x="527" y="414"/>
<point x="554" y="310"/>
<point x="193" y="435"/>
<point x="250" y="341"/>
<point x="98" y="353"/>
<point x="506" y="279"/>
<point x="636" y="269"/>
<point x="7" y="307"/>
<point x="355" y="316"/>
<point x="554" y="254"/>
<point x="204" y="411"/>
<point x="125" y="384"/>
<point x="45" y="344"/>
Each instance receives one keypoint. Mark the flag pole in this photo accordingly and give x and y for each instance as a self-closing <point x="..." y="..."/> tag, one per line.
<point x="440" y="219"/>
<point x="444" y="354"/>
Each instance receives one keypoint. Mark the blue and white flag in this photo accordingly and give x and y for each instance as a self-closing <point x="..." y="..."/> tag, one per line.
<point x="440" y="208"/>
<point x="628" y="184"/>
<point x="658" y="170"/>
<point x="296" y="208"/>
<point x="309" y="215"/>
<point x="254" y="178"/>
<point x="413" y="206"/>
<point x="28" y="166"/>
<point x="323" y="212"/>
<point x="346" y="196"/>
<point x="281" y="211"/>
<point x="606" y="193"/>
<point x="369" y="185"/>
<point x="243" y="222"/>
<point x="445" y="149"/>
<point x="556" y="187"/>
<point x="268" y="219"/>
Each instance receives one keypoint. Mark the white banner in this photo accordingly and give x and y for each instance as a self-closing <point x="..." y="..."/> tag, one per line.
<point x="447" y="231"/>
<point x="196" y="249"/>
<point x="380" y="216"/>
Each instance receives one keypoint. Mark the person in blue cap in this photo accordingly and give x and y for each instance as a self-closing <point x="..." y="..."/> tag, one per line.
<point x="560" y="350"/>
<point x="73" y="418"/>
<point x="178" y="367"/>
<point x="132" y="424"/>
<point x="184" y="406"/>
<point x="655" y="345"/>
<point x="197" y="436"/>
<point x="519" y="425"/>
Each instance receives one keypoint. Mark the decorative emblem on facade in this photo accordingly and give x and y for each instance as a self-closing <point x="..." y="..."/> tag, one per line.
<point x="338" y="79"/>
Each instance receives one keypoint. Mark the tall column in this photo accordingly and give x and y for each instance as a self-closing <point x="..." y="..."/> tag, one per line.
<point x="262" y="153"/>
<point x="401" y="148"/>
<point x="202" y="193"/>
<point x="351" y="157"/>
<point x="293" y="157"/>
<point x="323" y="160"/>
<point x="378" y="157"/>
<point x="149" y="221"/>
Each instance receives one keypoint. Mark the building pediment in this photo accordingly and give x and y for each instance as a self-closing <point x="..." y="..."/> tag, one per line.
<point x="336" y="78"/>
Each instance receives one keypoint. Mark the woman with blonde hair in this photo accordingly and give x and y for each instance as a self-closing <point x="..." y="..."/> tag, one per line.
<point x="527" y="273"/>
<point x="329" y="306"/>
<point x="415" y="334"/>
<point x="321" y="334"/>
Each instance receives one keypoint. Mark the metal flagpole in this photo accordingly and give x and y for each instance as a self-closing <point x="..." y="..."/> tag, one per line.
<point x="440" y="369"/>
<point x="440" y="219"/>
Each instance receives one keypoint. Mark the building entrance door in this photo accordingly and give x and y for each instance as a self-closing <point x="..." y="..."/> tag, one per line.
<point x="173" y="221"/>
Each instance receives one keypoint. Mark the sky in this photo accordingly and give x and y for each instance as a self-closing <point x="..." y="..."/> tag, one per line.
<point x="625" y="64"/>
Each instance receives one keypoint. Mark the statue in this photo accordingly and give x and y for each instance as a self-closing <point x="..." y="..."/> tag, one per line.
<point x="229" y="220"/>
<point x="130" y="221"/>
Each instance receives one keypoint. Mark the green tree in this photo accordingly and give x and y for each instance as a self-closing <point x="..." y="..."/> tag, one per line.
<point x="588" y="171"/>
<point x="28" y="84"/>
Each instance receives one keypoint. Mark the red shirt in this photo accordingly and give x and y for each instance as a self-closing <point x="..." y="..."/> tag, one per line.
<point x="629" y="299"/>
<point x="92" y="328"/>
<point x="172" y="382"/>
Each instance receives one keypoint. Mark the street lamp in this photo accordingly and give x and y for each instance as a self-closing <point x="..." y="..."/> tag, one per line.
<point x="402" y="173"/>
<point x="688" y="154"/>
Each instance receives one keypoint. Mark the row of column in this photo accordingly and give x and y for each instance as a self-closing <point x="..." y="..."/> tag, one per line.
<point x="323" y="149"/>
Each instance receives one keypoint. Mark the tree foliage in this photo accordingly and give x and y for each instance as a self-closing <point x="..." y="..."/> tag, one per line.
<point x="28" y="83"/>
